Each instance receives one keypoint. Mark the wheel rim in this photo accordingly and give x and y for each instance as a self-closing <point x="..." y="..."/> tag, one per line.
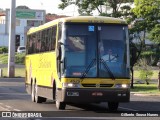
<point x="36" y="97"/>
<point x="57" y="103"/>
<point x="33" y="93"/>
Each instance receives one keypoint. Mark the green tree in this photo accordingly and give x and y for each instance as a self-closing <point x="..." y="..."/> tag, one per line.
<point x="155" y="34"/>
<point x="149" y="12"/>
<point x="137" y="37"/>
<point x="135" y="50"/>
<point x="144" y="18"/>
<point x="87" y="7"/>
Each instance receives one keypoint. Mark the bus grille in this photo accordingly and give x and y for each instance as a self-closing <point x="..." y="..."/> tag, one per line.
<point x="97" y="85"/>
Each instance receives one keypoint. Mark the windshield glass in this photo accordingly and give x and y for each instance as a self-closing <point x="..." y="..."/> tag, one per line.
<point x="95" y="51"/>
<point x="112" y="49"/>
<point x="80" y="50"/>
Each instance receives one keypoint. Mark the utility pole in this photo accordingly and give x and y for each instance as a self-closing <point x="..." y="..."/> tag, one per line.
<point x="11" y="52"/>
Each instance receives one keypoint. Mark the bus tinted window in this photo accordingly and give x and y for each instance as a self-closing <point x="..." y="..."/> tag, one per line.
<point x="42" y="41"/>
<point x="31" y="44"/>
<point x="53" y="37"/>
<point x="38" y="43"/>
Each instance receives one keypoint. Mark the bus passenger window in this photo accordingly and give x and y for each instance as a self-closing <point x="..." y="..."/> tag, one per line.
<point x="47" y="40"/>
<point x="53" y="37"/>
<point x="43" y="42"/>
<point x="38" y="42"/>
<point x="38" y="45"/>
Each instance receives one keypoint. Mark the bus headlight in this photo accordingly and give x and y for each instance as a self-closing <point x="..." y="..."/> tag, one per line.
<point x="122" y="86"/>
<point x="71" y="85"/>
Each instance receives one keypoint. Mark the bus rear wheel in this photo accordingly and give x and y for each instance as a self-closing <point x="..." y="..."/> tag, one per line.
<point x="113" y="106"/>
<point x="38" y="99"/>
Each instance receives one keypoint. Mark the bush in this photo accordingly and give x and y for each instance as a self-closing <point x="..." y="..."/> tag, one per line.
<point x="145" y="75"/>
<point x="19" y="59"/>
<point x="145" y="70"/>
<point x="3" y="50"/>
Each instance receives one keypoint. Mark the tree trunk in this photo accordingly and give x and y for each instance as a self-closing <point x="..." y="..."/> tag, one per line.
<point x="132" y="79"/>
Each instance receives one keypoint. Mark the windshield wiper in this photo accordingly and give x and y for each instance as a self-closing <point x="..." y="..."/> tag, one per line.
<point x="88" y="68"/>
<point x="107" y="68"/>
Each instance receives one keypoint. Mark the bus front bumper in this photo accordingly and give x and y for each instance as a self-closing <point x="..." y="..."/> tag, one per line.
<point x="70" y="95"/>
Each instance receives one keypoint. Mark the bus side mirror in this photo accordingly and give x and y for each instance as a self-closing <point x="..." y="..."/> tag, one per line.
<point x="59" y="50"/>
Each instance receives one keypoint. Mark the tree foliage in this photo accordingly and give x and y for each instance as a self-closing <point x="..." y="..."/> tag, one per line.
<point x="149" y="12"/>
<point x="22" y="7"/>
<point x="155" y="34"/>
<point x="87" y="7"/>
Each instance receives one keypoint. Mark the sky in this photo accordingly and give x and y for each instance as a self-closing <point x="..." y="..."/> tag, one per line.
<point x="51" y="6"/>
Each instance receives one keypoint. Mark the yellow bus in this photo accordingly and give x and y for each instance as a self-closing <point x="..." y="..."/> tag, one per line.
<point x="82" y="59"/>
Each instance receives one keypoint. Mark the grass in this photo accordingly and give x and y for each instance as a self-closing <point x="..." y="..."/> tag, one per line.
<point x="19" y="72"/>
<point x="155" y="74"/>
<point x="3" y="58"/>
<point x="19" y="58"/>
<point x="147" y="89"/>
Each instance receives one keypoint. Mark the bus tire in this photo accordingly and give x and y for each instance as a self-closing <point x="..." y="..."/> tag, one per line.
<point x="54" y="91"/>
<point x="60" y="105"/>
<point x="113" y="106"/>
<point x="32" y="92"/>
<point x="38" y="99"/>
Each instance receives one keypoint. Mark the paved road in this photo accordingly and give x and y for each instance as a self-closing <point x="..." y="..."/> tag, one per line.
<point x="14" y="98"/>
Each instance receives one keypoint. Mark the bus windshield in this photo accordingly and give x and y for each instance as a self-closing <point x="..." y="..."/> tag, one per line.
<point x="87" y="45"/>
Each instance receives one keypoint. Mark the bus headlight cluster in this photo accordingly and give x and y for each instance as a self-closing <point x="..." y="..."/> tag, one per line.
<point x="122" y="86"/>
<point x="71" y="85"/>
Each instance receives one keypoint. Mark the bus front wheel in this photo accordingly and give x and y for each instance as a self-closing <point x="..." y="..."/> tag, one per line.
<point x="113" y="106"/>
<point x="59" y="105"/>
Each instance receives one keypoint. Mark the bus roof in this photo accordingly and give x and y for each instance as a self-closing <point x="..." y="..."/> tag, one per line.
<point x="78" y="19"/>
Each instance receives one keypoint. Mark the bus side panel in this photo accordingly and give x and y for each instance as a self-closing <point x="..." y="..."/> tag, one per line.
<point x="47" y="74"/>
<point x="27" y="78"/>
<point x="42" y="69"/>
<point x="30" y="71"/>
<point x="46" y="92"/>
